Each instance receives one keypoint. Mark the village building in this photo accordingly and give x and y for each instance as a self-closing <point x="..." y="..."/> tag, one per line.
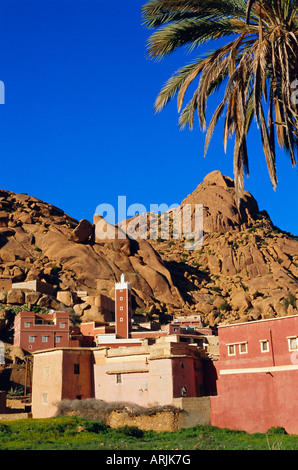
<point x="246" y="371"/>
<point x="145" y="375"/>
<point x="257" y="375"/>
<point x="34" y="331"/>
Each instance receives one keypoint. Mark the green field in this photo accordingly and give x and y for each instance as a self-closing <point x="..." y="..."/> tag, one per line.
<point x="73" y="433"/>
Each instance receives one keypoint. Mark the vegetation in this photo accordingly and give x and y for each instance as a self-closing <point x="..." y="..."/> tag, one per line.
<point x="75" y="433"/>
<point x="258" y="67"/>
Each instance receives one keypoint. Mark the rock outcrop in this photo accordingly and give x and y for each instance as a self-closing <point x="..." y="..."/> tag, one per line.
<point x="246" y="268"/>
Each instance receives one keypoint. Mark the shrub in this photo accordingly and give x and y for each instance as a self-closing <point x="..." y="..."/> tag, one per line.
<point x="96" y="427"/>
<point x="4" y="429"/>
<point x="131" y="431"/>
<point x="290" y="299"/>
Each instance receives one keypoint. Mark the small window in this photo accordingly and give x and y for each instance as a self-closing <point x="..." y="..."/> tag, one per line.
<point x="243" y="348"/>
<point x="182" y="364"/>
<point x="57" y="339"/>
<point x="76" y="368"/>
<point x="45" y="398"/>
<point x="121" y="320"/>
<point x="27" y="324"/>
<point x="121" y="298"/>
<point x="62" y="324"/>
<point x="118" y="378"/>
<point x="231" y="350"/>
<point x="45" y="339"/>
<point x="264" y="345"/>
<point x="121" y="308"/>
<point x="31" y="339"/>
<point x="293" y="343"/>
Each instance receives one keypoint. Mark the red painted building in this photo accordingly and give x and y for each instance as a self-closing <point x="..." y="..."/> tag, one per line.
<point x="257" y="376"/>
<point x="34" y="332"/>
<point x="123" y="310"/>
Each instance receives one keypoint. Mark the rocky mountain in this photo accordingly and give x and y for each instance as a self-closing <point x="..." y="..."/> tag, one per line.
<point x="246" y="268"/>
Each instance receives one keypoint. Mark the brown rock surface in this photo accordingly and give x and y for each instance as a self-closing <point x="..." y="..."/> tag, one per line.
<point x="246" y="267"/>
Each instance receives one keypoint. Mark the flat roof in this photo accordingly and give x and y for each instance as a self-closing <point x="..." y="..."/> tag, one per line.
<point x="256" y="321"/>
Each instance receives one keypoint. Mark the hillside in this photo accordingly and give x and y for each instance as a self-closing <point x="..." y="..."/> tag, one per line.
<point x="246" y="269"/>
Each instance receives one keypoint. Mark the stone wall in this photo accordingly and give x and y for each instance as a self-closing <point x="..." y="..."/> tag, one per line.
<point x="190" y="412"/>
<point x="196" y="411"/>
<point x="158" y="422"/>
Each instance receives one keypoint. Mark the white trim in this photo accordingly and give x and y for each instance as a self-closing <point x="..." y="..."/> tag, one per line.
<point x="289" y="343"/>
<point x="241" y="344"/>
<point x="256" y="370"/>
<point x="255" y="321"/>
<point x="234" y="353"/>
<point x="262" y="342"/>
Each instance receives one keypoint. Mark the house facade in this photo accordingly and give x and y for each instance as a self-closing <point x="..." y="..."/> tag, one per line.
<point x="60" y="373"/>
<point x="33" y="332"/>
<point x="148" y="375"/>
<point x="145" y="375"/>
<point x="257" y="376"/>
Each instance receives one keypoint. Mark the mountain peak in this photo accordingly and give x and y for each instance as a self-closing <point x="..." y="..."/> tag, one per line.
<point x="218" y="196"/>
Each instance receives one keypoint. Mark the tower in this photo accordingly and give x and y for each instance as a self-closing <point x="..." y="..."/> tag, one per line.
<point x="123" y="312"/>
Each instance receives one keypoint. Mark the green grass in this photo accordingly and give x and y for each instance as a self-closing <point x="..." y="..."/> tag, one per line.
<point x="75" y="433"/>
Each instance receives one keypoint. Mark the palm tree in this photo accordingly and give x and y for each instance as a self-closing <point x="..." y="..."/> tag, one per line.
<point x="257" y="65"/>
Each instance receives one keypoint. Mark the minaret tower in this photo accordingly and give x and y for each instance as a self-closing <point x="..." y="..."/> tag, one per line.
<point x="123" y="312"/>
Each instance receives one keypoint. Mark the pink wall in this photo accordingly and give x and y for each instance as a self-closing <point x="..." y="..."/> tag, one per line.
<point x="133" y="387"/>
<point x="257" y="390"/>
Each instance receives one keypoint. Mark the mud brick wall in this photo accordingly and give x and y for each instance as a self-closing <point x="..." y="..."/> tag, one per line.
<point x="196" y="411"/>
<point x="159" y="422"/>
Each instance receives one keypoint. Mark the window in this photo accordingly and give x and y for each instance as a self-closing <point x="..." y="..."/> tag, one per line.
<point x="121" y="308"/>
<point x="243" y="348"/>
<point x="121" y="319"/>
<point x="121" y="298"/>
<point x="45" y="398"/>
<point x="293" y="343"/>
<point x="264" y="345"/>
<point x="57" y="339"/>
<point x="62" y="324"/>
<point x="27" y="324"/>
<point x="45" y="339"/>
<point x="118" y="378"/>
<point x="31" y="339"/>
<point x="76" y="368"/>
<point x="231" y="349"/>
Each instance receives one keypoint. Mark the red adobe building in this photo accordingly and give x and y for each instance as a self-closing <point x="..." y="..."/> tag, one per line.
<point x="34" y="332"/>
<point x="257" y="376"/>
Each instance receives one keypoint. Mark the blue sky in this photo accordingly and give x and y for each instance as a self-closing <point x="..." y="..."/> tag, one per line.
<point x="78" y="127"/>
